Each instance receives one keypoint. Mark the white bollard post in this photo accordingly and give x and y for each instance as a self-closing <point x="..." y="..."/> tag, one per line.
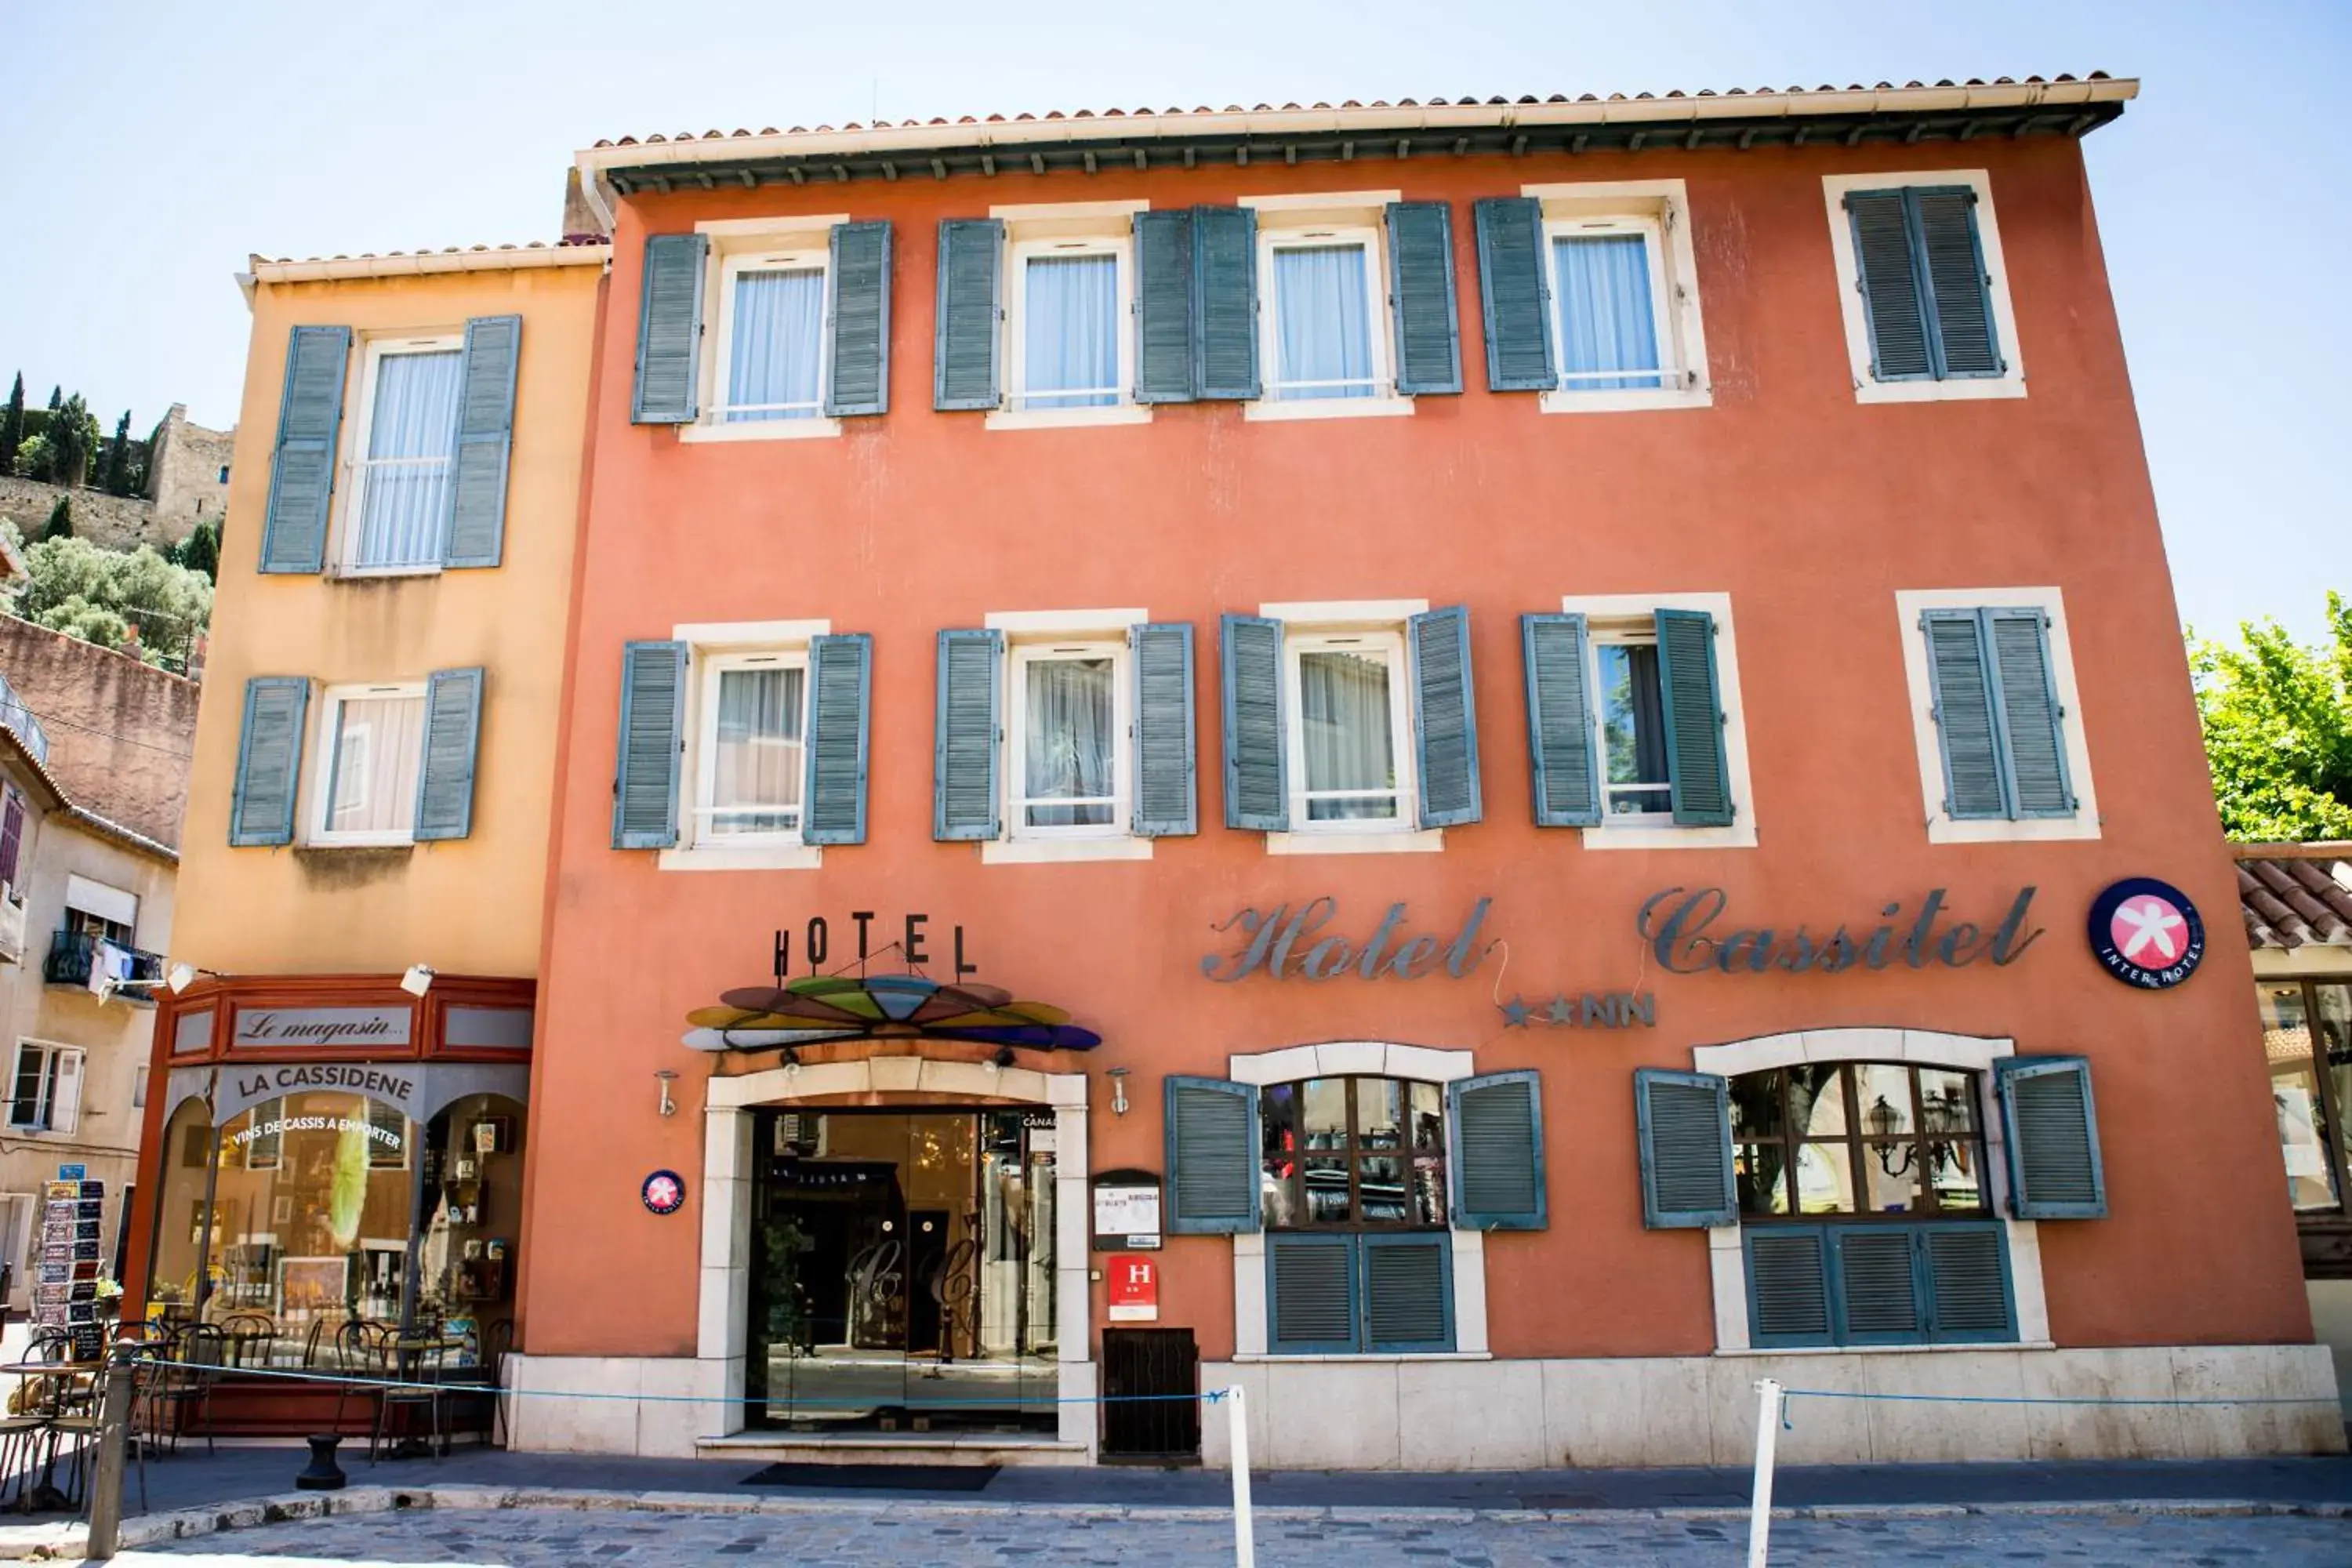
<point x="1245" y="1531"/>
<point x="1759" y="1508"/>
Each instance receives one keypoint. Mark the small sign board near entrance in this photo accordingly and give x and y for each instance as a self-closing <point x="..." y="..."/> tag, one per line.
<point x="1127" y="1212"/>
<point x="1134" y="1296"/>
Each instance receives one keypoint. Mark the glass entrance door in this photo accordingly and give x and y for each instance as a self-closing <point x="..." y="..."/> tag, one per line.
<point x="902" y="1271"/>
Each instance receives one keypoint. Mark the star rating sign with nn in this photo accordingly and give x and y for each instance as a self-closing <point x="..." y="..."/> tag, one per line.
<point x="2146" y="933"/>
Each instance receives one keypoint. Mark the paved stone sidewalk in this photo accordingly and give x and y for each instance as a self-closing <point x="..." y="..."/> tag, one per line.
<point x="908" y="1535"/>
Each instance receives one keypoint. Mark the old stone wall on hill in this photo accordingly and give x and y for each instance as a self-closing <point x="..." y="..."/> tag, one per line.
<point x="120" y="732"/>
<point x="118" y="523"/>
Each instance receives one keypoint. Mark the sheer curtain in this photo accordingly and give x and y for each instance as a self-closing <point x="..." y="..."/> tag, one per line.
<point x="774" y="360"/>
<point x="1066" y="750"/>
<point x="1322" y="323"/>
<point x="1069" y="337"/>
<point x="1607" y="319"/>
<point x="378" y="741"/>
<point x="404" y="477"/>
<point x="758" y="760"/>
<point x="1634" y="728"/>
<point x="1343" y="701"/>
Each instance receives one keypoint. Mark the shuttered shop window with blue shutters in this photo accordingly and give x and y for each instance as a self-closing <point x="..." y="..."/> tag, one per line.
<point x="1999" y="725"/>
<point x="1867" y="1283"/>
<point x="1925" y="288"/>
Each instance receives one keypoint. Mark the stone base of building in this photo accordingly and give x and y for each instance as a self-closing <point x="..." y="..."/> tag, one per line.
<point x="1445" y="1413"/>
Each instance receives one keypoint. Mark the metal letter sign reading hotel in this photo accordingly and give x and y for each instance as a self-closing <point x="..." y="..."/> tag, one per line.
<point x="1284" y="945"/>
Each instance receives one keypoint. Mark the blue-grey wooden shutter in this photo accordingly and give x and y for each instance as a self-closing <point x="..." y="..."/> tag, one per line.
<point x="969" y="736"/>
<point x="2033" y="733"/>
<point x="857" y="331"/>
<point x="652" y="734"/>
<point x="1514" y="295"/>
<point x="1408" y="1292"/>
<point x="302" y="468"/>
<point x="1888" y="276"/>
<point x="1959" y="292"/>
<point x="1696" y="767"/>
<point x="1257" y="766"/>
<point x="1788" y="1286"/>
<point x="1310" y="1294"/>
<point x="1211" y="1136"/>
<point x="841" y="680"/>
<point x="1683" y="1119"/>
<point x="1559" y="721"/>
<point x="476" y="533"/>
<point x="970" y="310"/>
<point x="453" y="734"/>
<point x="268" y="760"/>
<point x="2051" y="1128"/>
<point x="1224" y="304"/>
<point x="1166" y="789"/>
<point x="670" y="329"/>
<point x="1874" y="1270"/>
<point x="1163" y="306"/>
<point x="1964" y="1269"/>
<point x="1975" y="781"/>
<point x="1427" y="323"/>
<point x="1496" y="1124"/>
<point x="1444" y="718"/>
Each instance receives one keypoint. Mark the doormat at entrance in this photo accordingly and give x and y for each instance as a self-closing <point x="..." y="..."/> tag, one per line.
<point x="876" y="1478"/>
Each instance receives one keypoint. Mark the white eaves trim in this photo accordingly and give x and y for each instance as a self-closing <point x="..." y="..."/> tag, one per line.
<point x="420" y="263"/>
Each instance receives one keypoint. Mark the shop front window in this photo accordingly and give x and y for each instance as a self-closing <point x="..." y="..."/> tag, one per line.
<point x="1353" y="1153"/>
<point x="1857" y="1138"/>
<point x="2307" y="1042"/>
<point x="180" y="1247"/>
<point x="471" y="1214"/>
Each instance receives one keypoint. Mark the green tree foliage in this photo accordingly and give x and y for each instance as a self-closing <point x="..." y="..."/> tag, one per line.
<point x="100" y="595"/>
<point x="118" y="458"/>
<point x="12" y="426"/>
<point x="60" y="523"/>
<point x="32" y="458"/>
<point x="73" y="441"/>
<point x="199" y="551"/>
<point x="2278" y="730"/>
<point x="56" y="398"/>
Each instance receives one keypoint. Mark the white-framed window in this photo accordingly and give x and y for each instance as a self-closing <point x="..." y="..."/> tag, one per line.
<point x="1923" y="287"/>
<point x="45" y="1088"/>
<point x="1068" y="764"/>
<point x="403" y="455"/>
<point x="1349" y="733"/>
<point x="771" y="314"/>
<point x="1324" y="330"/>
<point x="1995" y="715"/>
<point x="750" y="764"/>
<point x="768" y="294"/>
<point x="1068" y="290"/>
<point x="370" y="746"/>
<point x="1636" y="787"/>
<point x="1625" y="325"/>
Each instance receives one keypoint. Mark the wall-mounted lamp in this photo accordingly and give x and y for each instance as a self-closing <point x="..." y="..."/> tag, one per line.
<point x="179" y="976"/>
<point x="418" y="980"/>
<point x="664" y="1077"/>
<point x="1117" y="1076"/>
<point x="1002" y="1058"/>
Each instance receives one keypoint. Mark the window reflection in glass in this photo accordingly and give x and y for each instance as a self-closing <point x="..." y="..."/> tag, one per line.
<point x="2333" y="1016"/>
<point x="2295" y="1104"/>
<point x="1353" y="1153"/>
<point x="1817" y="1100"/>
<point x="1633" y="728"/>
<point x="1798" y="1146"/>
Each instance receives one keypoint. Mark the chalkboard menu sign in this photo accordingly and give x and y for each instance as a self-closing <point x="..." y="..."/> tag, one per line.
<point x="65" y="1288"/>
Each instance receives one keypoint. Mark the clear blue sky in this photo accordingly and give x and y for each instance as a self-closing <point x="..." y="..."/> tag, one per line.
<point x="156" y="149"/>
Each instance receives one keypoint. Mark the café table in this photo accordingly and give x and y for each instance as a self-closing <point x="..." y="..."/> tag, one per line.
<point x="70" y="1408"/>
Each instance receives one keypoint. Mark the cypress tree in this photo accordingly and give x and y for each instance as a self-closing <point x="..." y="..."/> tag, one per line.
<point x="12" y="426"/>
<point x="118" y="458"/>
<point x="61" y="525"/>
<point x="56" y="398"/>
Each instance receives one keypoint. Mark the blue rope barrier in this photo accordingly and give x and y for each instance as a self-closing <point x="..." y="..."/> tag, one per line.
<point x="1207" y="1396"/>
<point x="1788" y="1397"/>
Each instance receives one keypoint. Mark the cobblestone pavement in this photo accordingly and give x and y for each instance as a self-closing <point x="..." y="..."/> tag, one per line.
<point x="918" y="1536"/>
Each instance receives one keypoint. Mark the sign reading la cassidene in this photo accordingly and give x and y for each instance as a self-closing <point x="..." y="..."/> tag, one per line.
<point x="1687" y="930"/>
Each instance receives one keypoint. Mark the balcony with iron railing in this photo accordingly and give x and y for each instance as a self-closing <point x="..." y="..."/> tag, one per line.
<point x="72" y="953"/>
<point x="19" y="719"/>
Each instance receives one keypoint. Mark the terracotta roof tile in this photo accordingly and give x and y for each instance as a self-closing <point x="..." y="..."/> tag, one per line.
<point x="2293" y="900"/>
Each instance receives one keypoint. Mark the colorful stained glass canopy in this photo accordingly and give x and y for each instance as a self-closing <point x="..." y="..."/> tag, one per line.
<point x="886" y="1006"/>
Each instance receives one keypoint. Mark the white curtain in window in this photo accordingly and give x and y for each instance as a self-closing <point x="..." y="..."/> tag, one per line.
<point x="1343" y="701"/>
<point x="779" y="330"/>
<point x="378" y="741"/>
<point x="1323" y="322"/>
<point x="404" y="489"/>
<point x="756" y="786"/>
<point x="1607" y="322"/>
<point x="1067" y="750"/>
<point x="1069" y="339"/>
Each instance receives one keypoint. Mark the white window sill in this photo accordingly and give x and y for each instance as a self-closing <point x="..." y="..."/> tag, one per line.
<point x="361" y="841"/>
<point x="1062" y="851"/>
<point x="1751" y="1354"/>
<point x="1626" y="401"/>
<point x="1401" y="841"/>
<point x="1327" y="408"/>
<point x="1068" y="418"/>
<point x="761" y="430"/>
<point x="364" y="574"/>
<point x="1968" y="389"/>
<point x="760" y="857"/>
<point x="1942" y="829"/>
<point x="1740" y="834"/>
<point x="1259" y="1358"/>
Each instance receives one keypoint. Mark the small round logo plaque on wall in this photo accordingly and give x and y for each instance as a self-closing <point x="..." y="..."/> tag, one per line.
<point x="664" y="1192"/>
<point x="2146" y="933"/>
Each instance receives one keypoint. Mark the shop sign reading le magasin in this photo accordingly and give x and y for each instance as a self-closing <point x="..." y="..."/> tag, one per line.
<point x="320" y="1026"/>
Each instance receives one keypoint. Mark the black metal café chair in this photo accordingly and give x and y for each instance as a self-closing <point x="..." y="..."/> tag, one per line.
<point x="251" y="1338"/>
<point x="410" y="1363"/>
<point x="180" y="1395"/>
<point x="358" y="1356"/>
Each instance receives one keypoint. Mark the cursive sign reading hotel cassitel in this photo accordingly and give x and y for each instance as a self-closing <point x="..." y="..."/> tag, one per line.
<point x="320" y="1026"/>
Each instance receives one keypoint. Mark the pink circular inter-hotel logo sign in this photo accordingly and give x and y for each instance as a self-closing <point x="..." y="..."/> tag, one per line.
<point x="2147" y="932"/>
<point x="662" y="1193"/>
